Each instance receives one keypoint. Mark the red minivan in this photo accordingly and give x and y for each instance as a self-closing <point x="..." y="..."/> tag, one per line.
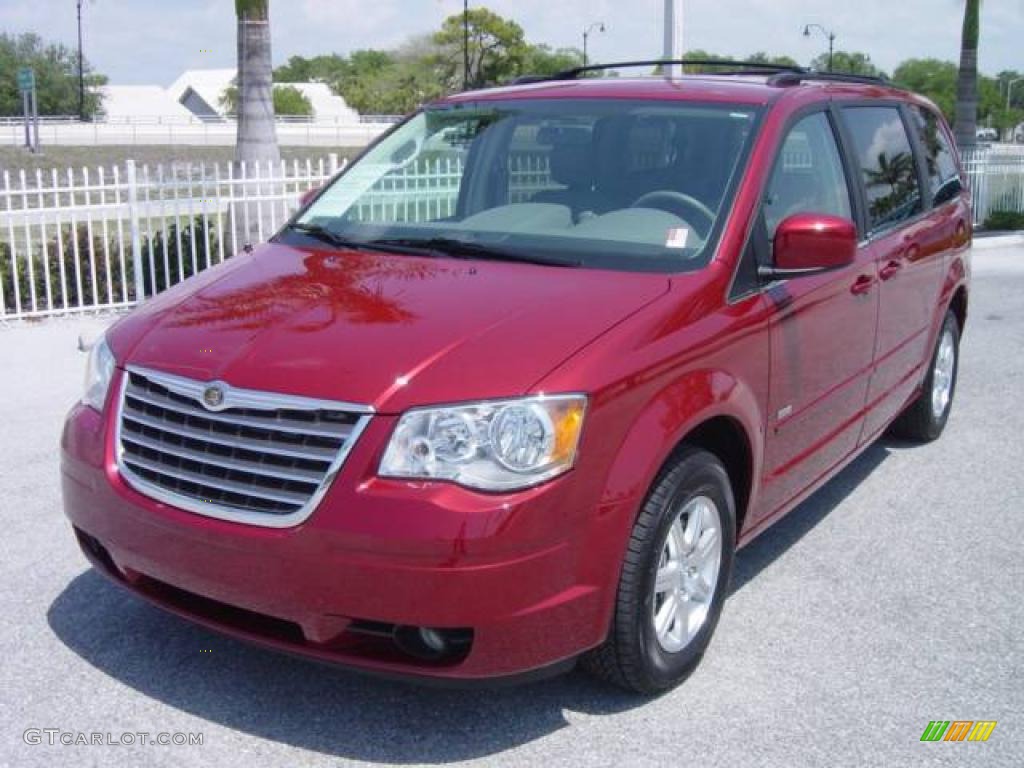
<point x="514" y="387"/>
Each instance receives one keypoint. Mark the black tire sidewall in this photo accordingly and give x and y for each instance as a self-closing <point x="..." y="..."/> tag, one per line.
<point x="698" y="474"/>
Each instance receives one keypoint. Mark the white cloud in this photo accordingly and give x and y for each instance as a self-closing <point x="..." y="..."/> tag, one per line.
<point x="141" y="41"/>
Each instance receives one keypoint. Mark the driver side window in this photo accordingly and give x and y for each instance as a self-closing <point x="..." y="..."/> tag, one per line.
<point x="808" y="175"/>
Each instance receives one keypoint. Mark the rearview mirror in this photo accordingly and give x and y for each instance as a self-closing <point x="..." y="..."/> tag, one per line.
<point x="808" y="243"/>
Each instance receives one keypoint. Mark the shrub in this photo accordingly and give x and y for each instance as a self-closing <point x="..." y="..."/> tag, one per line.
<point x="1004" y="220"/>
<point x="81" y="288"/>
<point x="165" y="264"/>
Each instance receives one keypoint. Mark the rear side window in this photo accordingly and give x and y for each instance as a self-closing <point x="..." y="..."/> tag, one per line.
<point x="886" y="163"/>
<point x="808" y="175"/>
<point x="943" y="178"/>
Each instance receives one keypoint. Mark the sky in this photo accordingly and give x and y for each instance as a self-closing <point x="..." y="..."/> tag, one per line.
<point x="153" y="41"/>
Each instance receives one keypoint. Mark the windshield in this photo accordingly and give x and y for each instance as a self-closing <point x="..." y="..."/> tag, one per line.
<point x="631" y="185"/>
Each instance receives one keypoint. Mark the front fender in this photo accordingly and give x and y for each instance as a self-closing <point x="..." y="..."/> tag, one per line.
<point x="673" y="413"/>
<point x="663" y="423"/>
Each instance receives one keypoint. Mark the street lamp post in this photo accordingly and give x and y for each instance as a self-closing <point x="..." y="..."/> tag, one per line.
<point x="1009" y="90"/>
<point x="599" y="26"/>
<point x="465" y="44"/>
<point x="827" y="33"/>
<point x="81" y="68"/>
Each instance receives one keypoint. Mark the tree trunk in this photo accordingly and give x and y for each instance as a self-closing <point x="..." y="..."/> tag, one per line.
<point x="256" y="144"/>
<point x="966" y="125"/>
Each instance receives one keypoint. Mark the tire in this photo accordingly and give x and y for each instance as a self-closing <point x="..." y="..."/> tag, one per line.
<point x="635" y="655"/>
<point x="925" y="418"/>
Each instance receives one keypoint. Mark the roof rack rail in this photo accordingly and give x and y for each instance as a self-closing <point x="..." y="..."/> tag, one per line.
<point x="737" y="67"/>
<point x="795" y="77"/>
<point x="780" y="75"/>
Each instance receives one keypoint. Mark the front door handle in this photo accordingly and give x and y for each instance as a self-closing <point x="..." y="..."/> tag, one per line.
<point x="890" y="269"/>
<point x="862" y="285"/>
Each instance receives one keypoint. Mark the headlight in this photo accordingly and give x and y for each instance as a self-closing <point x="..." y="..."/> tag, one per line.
<point x="500" y="445"/>
<point x="98" y="373"/>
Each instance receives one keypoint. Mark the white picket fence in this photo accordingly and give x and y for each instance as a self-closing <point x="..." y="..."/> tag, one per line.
<point x="995" y="176"/>
<point x="108" y="237"/>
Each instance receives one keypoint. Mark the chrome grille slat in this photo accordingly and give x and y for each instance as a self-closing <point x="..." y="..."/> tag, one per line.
<point x="255" y="457"/>
<point x="285" y="497"/>
<point x="226" y="462"/>
<point x="320" y="454"/>
<point x="338" y="432"/>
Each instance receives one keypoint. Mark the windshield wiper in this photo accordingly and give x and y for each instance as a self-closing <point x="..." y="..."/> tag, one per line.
<point x="451" y="246"/>
<point x="322" y="233"/>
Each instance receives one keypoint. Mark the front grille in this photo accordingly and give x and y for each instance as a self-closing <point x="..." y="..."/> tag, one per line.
<point x="255" y="457"/>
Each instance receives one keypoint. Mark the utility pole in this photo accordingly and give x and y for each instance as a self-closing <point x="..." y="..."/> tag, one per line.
<point x="465" y="44"/>
<point x="81" y="67"/>
<point x="673" y="49"/>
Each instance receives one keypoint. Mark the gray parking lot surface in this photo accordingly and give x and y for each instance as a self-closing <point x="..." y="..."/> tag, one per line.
<point x="893" y="597"/>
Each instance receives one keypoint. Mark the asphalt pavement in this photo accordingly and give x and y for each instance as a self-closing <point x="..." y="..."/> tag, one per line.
<point x="893" y="597"/>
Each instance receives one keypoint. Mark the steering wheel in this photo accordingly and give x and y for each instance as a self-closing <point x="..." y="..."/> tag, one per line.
<point x="678" y="203"/>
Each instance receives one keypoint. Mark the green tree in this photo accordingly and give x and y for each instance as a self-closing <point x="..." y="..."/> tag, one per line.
<point x="697" y="54"/>
<point x="416" y="76"/>
<point x="297" y="70"/>
<point x="1003" y="80"/>
<point x="932" y="78"/>
<point x="544" y="60"/>
<point x="56" y="70"/>
<point x="497" y="49"/>
<point x="966" y="125"/>
<point x="361" y="78"/>
<point x="288" y="100"/>
<point x="848" y="62"/>
<point x="764" y="58"/>
<point x="328" y="69"/>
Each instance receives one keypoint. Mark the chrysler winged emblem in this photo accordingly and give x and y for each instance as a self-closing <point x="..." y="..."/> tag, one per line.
<point x="213" y="396"/>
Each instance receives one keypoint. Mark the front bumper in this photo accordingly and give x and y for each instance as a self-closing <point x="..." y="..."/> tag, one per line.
<point x="526" y="575"/>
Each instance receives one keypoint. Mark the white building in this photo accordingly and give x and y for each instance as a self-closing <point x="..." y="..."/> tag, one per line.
<point x="121" y="102"/>
<point x="200" y="90"/>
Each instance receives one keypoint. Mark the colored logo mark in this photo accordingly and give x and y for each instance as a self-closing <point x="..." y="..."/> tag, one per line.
<point x="958" y="730"/>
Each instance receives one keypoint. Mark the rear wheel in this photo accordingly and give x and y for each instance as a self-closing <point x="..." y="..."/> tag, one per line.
<point x="926" y="417"/>
<point x="674" y="578"/>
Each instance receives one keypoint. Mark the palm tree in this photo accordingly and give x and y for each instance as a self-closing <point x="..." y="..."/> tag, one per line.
<point x="967" y="84"/>
<point x="256" y="143"/>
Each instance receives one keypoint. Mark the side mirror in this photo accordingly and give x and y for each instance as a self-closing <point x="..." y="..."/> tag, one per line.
<point x="808" y="243"/>
<point x="307" y="197"/>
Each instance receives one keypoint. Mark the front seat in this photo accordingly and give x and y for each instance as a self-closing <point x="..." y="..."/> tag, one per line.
<point x="572" y="166"/>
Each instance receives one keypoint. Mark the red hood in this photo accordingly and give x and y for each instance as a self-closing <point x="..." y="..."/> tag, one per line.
<point x="391" y="331"/>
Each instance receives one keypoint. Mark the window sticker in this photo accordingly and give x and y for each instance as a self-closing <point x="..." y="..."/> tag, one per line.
<point x="677" y="238"/>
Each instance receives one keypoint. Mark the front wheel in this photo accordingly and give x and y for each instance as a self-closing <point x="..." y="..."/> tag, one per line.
<point x="674" y="578"/>
<point x="926" y="417"/>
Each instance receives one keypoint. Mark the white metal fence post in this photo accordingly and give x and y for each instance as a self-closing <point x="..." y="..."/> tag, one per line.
<point x="133" y="218"/>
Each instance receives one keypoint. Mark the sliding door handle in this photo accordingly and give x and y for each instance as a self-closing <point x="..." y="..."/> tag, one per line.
<point x="862" y="285"/>
<point x="890" y="269"/>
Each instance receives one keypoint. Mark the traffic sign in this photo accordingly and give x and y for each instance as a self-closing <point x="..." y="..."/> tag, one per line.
<point x="26" y="79"/>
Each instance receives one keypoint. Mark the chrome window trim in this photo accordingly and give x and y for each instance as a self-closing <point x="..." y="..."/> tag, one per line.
<point x="237" y="398"/>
